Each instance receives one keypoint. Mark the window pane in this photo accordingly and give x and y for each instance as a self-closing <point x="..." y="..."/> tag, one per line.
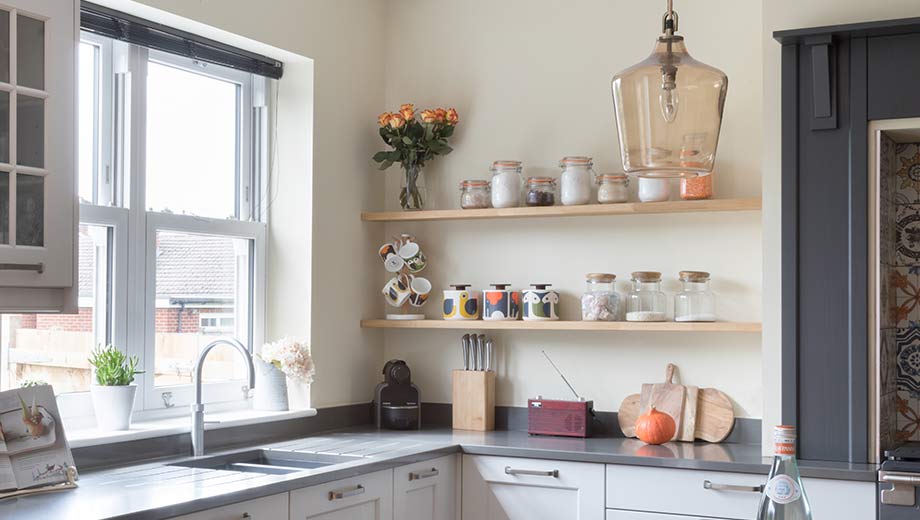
<point x="199" y="277"/>
<point x="192" y="152"/>
<point x="4" y="208"/>
<point x="53" y="348"/>
<point x="87" y="121"/>
<point x="30" y="131"/>
<point x="30" y="54"/>
<point x="5" y="46"/>
<point x="4" y="127"/>
<point x="30" y="210"/>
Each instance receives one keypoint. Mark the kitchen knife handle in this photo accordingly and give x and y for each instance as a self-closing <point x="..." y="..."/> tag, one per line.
<point x="345" y="493"/>
<point x="533" y="472"/>
<point x="419" y="475"/>
<point x="731" y="487"/>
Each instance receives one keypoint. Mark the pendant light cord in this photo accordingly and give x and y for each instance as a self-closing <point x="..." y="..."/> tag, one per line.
<point x="669" y="20"/>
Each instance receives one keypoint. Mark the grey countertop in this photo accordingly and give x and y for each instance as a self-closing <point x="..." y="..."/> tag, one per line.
<point x="158" y="490"/>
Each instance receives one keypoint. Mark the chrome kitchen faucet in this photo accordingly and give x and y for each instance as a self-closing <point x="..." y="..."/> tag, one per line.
<point x="197" y="407"/>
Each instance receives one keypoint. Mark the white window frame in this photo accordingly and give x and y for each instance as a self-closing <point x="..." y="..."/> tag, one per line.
<point x="119" y="190"/>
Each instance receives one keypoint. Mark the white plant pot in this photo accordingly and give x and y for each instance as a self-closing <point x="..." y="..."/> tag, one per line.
<point x="298" y="394"/>
<point x="270" y="393"/>
<point x="113" y="405"/>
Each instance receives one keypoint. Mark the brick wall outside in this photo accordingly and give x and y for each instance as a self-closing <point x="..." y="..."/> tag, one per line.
<point x="167" y="320"/>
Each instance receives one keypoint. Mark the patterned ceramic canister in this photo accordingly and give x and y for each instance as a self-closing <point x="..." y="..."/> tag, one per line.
<point x="500" y="303"/>
<point x="461" y="304"/>
<point x="540" y="303"/>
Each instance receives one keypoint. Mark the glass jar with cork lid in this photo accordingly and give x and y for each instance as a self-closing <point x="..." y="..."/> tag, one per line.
<point x="646" y="301"/>
<point x="695" y="301"/>
<point x="601" y="302"/>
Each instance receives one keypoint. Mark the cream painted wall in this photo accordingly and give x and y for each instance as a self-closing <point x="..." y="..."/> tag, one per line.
<point x="780" y="15"/>
<point x="343" y="39"/>
<point x="531" y="79"/>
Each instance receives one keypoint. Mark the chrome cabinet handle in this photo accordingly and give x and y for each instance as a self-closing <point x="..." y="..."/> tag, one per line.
<point x="536" y="473"/>
<point x="433" y="472"/>
<point x="731" y="487"/>
<point x="38" y="268"/>
<point x="247" y="516"/>
<point x="345" y="493"/>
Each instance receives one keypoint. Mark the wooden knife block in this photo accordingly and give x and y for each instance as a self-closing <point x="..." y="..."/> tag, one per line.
<point x="473" y="400"/>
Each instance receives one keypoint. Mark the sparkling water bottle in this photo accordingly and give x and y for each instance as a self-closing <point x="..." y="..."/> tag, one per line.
<point x="784" y="496"/>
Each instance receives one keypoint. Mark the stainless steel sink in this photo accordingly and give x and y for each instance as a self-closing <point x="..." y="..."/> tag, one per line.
<point x="267" y="462"/>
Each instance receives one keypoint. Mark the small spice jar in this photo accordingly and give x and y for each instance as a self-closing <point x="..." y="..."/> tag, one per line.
<point x="601" y="302"/>
<point x="612" y="188"/>
<point x="646" y="301"/>
<point x="475" y="194"/>
<point x="540" y="303"/>
<point x="695" y="301"/>
<point x="654" y="189"/>
<point x="506" y="184"/>
<point x="696" y="188"/>
<point x="540" y="191"/>
<point x="577" y="180"/>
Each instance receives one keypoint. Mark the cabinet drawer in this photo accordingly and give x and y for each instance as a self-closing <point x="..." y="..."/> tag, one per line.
<point x="613" y="514"/>
<point x="274" y="507"/>
<point x="682" y="492"/>
<point x="366" y="496"/>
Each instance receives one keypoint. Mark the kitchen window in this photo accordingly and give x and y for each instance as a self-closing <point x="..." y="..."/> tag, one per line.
<point x="172" y="235"/>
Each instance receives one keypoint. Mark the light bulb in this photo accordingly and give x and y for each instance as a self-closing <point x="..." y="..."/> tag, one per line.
<point x="668" y="101"/>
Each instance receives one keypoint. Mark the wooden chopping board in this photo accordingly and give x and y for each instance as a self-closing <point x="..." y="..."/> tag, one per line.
<point x="687" y="430"/>
<point x="628" y="414"/>
<point x="666" y="397"/>
<point x="715" y="415"/>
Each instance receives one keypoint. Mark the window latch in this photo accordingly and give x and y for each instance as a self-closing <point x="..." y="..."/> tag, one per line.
<point x="167" y="399"/>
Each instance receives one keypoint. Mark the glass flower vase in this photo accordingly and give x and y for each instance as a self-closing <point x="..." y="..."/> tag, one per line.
<point x="412" y="191"/>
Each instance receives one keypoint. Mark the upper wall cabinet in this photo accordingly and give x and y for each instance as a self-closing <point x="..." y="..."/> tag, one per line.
<point x="38" y="208"/>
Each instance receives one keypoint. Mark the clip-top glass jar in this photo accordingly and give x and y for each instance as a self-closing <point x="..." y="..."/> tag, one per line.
<point x="646" y="302"/>
<point x="506" y="184"/>
<point x="695" y="301"/>
<point x="540" y="191"/>
<point x="475" y="194"/>
<point x="601" y="302"/>
<point x="577" y="180"/>
<point x="612" y="188"/>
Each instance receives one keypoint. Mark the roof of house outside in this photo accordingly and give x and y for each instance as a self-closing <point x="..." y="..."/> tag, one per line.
<point x="188" y="266"/>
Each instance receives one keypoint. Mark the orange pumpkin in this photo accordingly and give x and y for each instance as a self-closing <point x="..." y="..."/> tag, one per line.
<point x="655" y="427"/>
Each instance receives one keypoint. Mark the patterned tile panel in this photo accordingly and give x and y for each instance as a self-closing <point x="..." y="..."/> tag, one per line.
<point x="907" y="173"/>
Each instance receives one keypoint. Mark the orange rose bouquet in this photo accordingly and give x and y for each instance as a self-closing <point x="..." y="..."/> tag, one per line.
<point x="414" y="140"/>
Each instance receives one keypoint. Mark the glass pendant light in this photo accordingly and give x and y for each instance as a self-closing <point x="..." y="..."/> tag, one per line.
<point x="669" y="109"/>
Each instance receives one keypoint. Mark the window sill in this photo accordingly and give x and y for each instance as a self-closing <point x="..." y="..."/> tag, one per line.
<point x="82" y="438"/>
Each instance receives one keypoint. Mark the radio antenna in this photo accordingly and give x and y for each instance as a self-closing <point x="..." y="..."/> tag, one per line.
<point x="564" y="380"/>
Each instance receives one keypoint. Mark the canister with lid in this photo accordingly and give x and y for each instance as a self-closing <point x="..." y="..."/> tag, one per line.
<point x="612" y="188"/>
<point x="501" y="303"/>
<point x="646" y="301"/>
<point x="601" y="302"/>
<point x="460" y="303"/>
<point x="475" y="194"/>
<point x="695" y="301"/>
<point x="506" y="184"/>
<point x="540" y="303"/>
<point x="577" y="180"/>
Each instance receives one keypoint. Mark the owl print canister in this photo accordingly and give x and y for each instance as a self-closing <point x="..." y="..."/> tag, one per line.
<point x="501" y="303"/>
<point x="540" y="303"/>
<point x="460" y="303"/>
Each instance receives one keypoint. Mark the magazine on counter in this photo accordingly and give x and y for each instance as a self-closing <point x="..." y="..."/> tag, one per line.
<point x="33" y="449"/>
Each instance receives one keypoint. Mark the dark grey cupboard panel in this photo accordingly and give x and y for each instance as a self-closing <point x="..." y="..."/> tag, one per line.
<point x="894" y="79"/>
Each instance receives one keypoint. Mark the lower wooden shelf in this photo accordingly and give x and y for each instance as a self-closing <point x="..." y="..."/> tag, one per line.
<point x="664" y="326"/>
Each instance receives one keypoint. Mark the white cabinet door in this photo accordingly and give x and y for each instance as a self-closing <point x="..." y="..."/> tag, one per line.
<point x="613" y="514"/>
<point x="365" y="497"/>
<point x="427" y="490"/>
<point x="836" y="499"/>
<point x="38" y="207"/>
<point x="274" y="507"/>
<point x="505" y="488"/>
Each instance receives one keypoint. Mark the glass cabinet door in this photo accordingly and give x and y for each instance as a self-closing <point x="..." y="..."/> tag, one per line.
<point x="38" y="42"/>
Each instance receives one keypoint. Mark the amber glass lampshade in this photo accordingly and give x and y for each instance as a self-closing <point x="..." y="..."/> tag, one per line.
<point x="669" y="110"/>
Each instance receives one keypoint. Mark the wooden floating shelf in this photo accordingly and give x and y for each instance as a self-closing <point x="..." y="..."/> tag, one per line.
<point x="626" y="326"/>
<point x="589" y="210"/>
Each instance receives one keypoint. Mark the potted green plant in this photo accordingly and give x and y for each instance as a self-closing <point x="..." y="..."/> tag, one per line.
<point x="113" y="390"/>
<point x="414" y="141"/>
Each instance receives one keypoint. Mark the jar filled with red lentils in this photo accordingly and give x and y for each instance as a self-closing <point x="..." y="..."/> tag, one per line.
<point x="696" y="188"/>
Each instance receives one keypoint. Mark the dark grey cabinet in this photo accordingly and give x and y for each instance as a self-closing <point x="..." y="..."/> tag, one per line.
<point x="834" y="81"/>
